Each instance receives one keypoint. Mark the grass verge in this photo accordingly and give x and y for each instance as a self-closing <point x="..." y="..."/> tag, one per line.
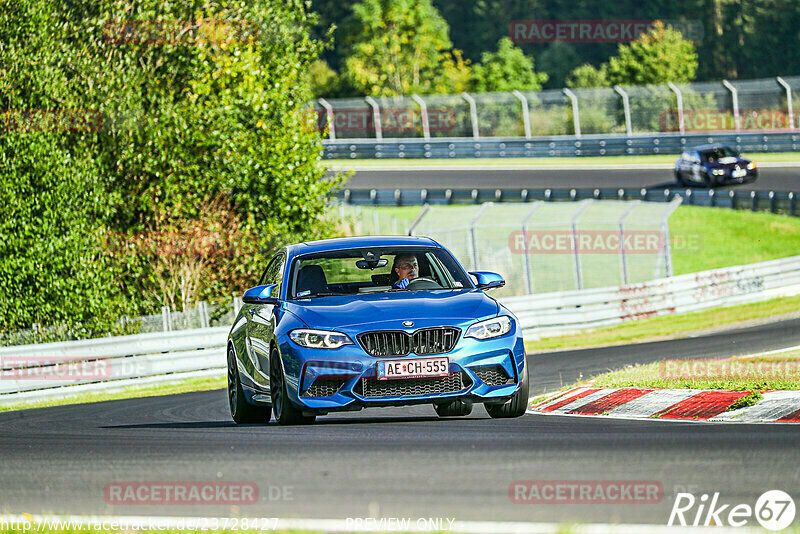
<point x="155" y="390"/>
<point x="781" y="372"/>
<point x="680" y="325"/>
<point x="771" y="157"/>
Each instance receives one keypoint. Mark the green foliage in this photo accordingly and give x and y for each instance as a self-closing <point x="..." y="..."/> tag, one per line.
<point x="399" y="47"/>
<point x="588" y="76"/>
<point x="214" y="111"/>
<point x="506" y="70"/>
<point x="321" y="79"/>
<point x="662" y="55"/>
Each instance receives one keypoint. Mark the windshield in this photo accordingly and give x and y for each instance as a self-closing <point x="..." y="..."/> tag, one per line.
<point x="715" y="154"/>
<point x="375" y="270"/>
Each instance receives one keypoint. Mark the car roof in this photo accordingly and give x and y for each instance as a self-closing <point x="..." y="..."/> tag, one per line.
<point x="701" y="148"/>
<point x="342" y="243"/>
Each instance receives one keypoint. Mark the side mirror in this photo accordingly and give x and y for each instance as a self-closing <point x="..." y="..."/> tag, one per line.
<point x="488" y="280"/>
<point x="261" y="294"/>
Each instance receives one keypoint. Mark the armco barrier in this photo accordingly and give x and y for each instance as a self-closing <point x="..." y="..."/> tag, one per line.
<point x="550" y="314"/>
<point x="41" y="370"/>
<point x="772" y="201"/>
<point x="567" y="145"/>
<point x="37" y="371"/>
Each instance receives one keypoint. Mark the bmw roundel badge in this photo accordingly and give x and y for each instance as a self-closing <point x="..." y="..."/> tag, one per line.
<point x="408" y="324"/>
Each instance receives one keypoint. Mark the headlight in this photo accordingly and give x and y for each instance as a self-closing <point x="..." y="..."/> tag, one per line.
<point x="751" y="165"/>
<point x="490" y="328"/>
<point x="718" y="172"/>
<point x="319" y="339"/>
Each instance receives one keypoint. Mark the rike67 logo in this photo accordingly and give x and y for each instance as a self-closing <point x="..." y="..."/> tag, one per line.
<point x="774" y="510"/>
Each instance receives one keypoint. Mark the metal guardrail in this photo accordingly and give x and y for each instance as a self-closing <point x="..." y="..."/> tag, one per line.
<point x="771" y="201"/>
<point x="51" y="369"/>
<point x="33" y="372"/>
<point x="567" y="145"/>
<point x="568" y="312"/>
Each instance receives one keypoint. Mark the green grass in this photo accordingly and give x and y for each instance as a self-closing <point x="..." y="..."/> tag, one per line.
<point x="771" y="157"/>
<point x="717" y="237"/>
<point x="733" y="374"/>
<point x="675" y="326"/>
<point x="183" y="386"/>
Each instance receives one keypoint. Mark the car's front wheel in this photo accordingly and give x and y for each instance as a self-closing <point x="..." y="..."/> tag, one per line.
<point x="517" y="405"/>
<point x="241" y="411"/>
<point x="284" y="410"/>
<point x="454" y="408"/>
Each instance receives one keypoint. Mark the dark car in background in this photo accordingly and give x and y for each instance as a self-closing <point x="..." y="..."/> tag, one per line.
<point x="713" y="165"/>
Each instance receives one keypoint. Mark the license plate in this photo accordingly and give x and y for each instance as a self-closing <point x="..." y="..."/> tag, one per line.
<point x="413" y="368"/>
<point x="738" y="173"/>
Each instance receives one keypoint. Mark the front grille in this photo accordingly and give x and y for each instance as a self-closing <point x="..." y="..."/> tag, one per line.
<point x="493" y="375"/>
<point x="323" y="388"/>
<point x="398" y="343"/>
<point x="414" y="387"/>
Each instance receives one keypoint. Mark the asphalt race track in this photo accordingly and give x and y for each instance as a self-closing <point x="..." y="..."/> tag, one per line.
<point x="770" y="178"/>
<point x="402" y="462"/>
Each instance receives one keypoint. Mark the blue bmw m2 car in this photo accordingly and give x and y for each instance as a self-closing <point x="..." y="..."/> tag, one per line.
<point x="345" y="324"/>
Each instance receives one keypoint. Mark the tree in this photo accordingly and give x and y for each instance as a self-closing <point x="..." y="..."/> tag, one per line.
<point x="588" y="76"/>
<point x="506" y="70"/>
<point x="398" y="47"/>
<point x="193" y="104"/>
<point x="661" y="55"/>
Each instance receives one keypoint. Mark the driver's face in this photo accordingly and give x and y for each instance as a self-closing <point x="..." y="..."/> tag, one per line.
<point x="407" y="269"/>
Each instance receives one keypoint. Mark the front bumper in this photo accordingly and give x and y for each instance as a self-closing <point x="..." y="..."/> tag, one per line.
<point x="345" y="378"/>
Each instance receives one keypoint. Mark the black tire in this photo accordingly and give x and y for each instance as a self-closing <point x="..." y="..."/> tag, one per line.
<point x="516" y="406"/>
<point x="241" y="411"/>
<point x="679" y="179"/>
<point x="456" y="408"/>
<point x="708" y="180"/>
<point x="284" y="411"/>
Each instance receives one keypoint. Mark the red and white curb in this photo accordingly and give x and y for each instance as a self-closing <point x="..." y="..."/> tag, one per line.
<point x="683" y="404"/>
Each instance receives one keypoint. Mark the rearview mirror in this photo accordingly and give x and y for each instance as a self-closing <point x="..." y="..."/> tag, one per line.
<point x="488" y="280"/>
<point x="261" y="295"/>
<point x="372" y="264"/>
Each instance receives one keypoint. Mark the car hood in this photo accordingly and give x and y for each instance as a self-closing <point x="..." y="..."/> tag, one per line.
<point x="728" y="164"/>
<point x="378" y="311"/>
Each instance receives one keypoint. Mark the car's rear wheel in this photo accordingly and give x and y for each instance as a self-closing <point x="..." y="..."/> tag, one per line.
<point x="454" y="408"/>
<point x="679" y="178"/>
<point x="241" y="411"/>
<point x="284" y="411"/>
<point x="516" y="406"/>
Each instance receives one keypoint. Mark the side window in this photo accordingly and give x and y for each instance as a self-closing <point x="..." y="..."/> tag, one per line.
<point x="274" y="272"/>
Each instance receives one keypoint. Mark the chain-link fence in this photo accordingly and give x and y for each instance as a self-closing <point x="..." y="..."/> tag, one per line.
<point x="540" y="247"/>
<point x="725" y="106"/>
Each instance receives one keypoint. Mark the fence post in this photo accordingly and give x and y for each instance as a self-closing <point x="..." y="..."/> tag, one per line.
<point x="621" y="227"/>
<point x="789" y="103"/>
<point x="473" y="238"/>
<point x="329" y="113"/>
<point x="526" y="117"/>
<point x="526" y="258"/>
<point x="423" y="113"/>
<point x="204" y="322"/>
<point x="735" y="96"/>
<point x="576" y="120"/>
<point x="376" y="117"/>
<point x="166" y="319"/>
<point x="425" y="208"/>
<point x="575" y="253"/>
<point x="626" y="106"/>
<point x="473" y="114"/>
<point x="679" y="99"/>
<point x="673" y="205"/>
